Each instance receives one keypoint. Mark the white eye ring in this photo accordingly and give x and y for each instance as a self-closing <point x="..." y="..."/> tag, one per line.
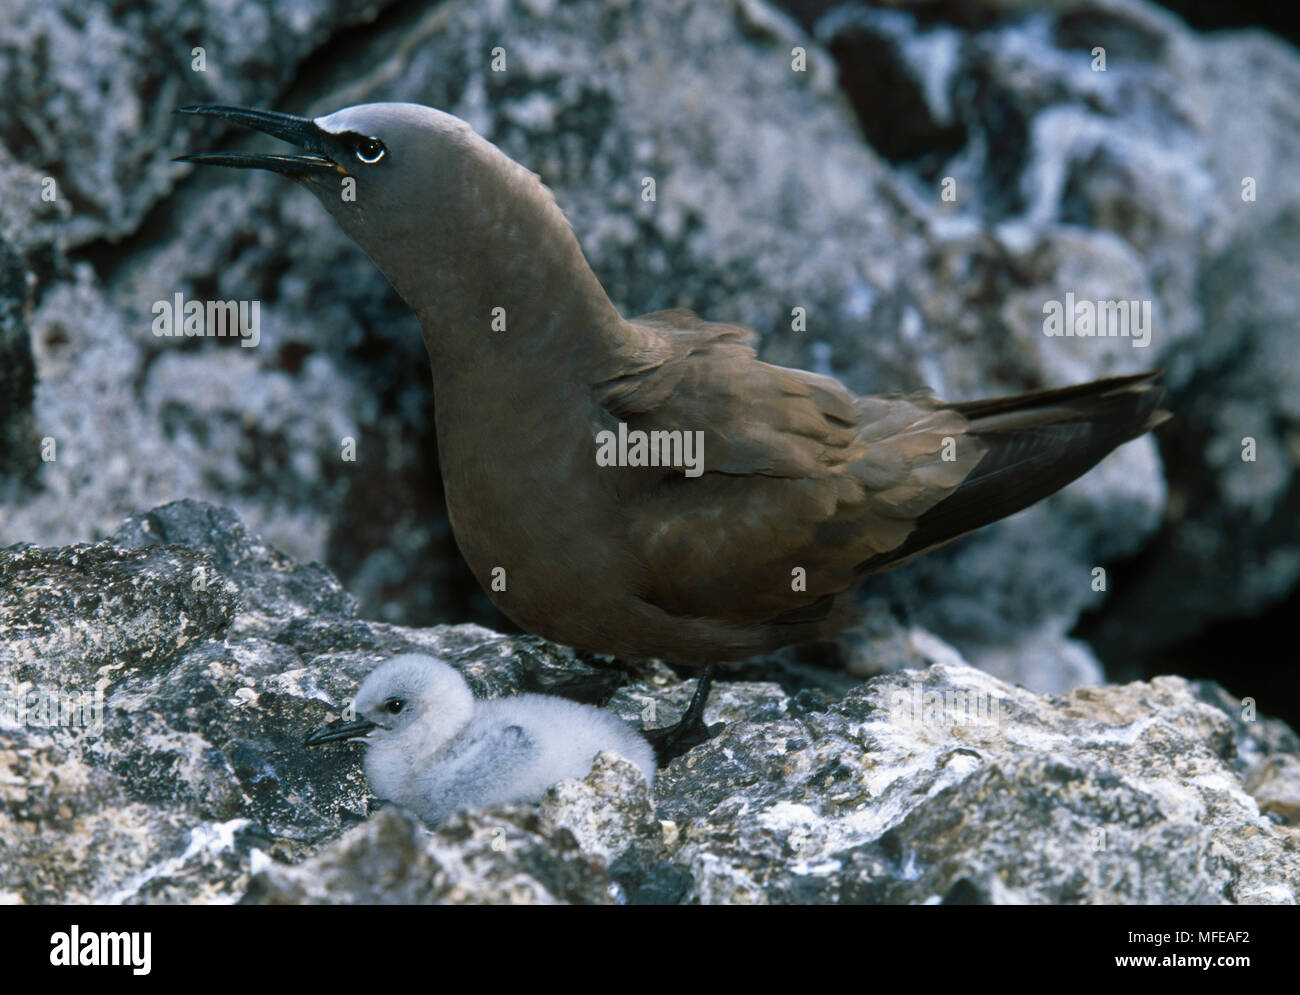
<point x="372" y="145"/>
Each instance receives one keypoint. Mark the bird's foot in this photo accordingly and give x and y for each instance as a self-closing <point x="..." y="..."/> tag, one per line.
<point x="690" y="731"/>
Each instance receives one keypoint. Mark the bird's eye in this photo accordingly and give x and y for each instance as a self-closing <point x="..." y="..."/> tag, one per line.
<point x="370" y="150"/>
<point x="394" y="705"/>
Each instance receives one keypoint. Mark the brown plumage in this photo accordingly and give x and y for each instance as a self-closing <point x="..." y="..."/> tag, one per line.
<point x="800" y="477"/>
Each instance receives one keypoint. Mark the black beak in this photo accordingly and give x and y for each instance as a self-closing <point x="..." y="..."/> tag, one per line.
<point x="316" y="161"/>
<point x="338" y="730"/>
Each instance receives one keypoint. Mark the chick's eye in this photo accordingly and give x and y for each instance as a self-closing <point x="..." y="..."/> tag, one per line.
<point x="370" y="150"/>
<point x="394" y="705"/>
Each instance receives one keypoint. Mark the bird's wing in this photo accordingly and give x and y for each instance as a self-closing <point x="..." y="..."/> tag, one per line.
<point x="481" y="764"/>
<point x="798" y="473"/>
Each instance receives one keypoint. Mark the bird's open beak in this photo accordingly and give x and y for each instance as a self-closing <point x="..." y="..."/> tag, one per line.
<point x="340" y="729"/>
<point x="301" y="131"/>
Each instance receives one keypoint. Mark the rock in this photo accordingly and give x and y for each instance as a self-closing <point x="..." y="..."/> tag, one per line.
<point x="104" y="114"/>
<point x="19" y="453"/>
<point x="283" y="588"/>
<point x="30" y="237"/>
<point x="949" y="785"/>
<point x="187" y="781"/>
<point x="606" y="809"/>
<point x="381" y="860"/>
<point x="508" y="856"/>
<point x="82" y="613"/>
<point x="1275" y="784"/>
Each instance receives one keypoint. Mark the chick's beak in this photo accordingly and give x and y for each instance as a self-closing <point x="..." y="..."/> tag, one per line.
<point x="340" y="730"/>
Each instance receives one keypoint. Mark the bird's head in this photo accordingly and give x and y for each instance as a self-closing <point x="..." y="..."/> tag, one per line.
<point x="463" y="232"/>
<point x="410" y="697"/>
<point x="402" y="180"/>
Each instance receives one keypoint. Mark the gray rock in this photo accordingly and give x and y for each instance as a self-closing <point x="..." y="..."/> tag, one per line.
<point x="510" y="856"/>
<point x="91" y="87"/>
<point x="82" y="612"/>
<point x="934" y="783"/>
<point x="30" y="233"/>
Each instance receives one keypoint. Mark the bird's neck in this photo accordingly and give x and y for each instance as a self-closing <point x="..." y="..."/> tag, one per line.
<point x="504" y="283"/>
<point x="518" y="329"/>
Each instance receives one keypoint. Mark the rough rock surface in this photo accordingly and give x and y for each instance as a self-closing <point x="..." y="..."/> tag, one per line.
<point x="770" y="195"/>
<point x="938" y="783"/>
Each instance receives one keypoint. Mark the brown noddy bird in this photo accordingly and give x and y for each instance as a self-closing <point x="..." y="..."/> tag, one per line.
<point x="753" y="540"/>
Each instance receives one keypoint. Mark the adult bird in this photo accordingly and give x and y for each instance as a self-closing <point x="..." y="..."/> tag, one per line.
<point x="800" y="489"/>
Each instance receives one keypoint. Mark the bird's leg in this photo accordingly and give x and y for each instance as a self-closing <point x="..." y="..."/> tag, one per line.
<point x="690" y="730"/>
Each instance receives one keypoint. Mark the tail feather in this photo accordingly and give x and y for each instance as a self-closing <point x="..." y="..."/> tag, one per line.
<point x="1037" y="443"/>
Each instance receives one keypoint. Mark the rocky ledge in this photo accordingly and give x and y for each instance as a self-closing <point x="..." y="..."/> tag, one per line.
<point x="157" y="688"/>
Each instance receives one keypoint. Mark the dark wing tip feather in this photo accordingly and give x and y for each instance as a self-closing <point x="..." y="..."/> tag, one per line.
<point x="1037" y="443"/>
